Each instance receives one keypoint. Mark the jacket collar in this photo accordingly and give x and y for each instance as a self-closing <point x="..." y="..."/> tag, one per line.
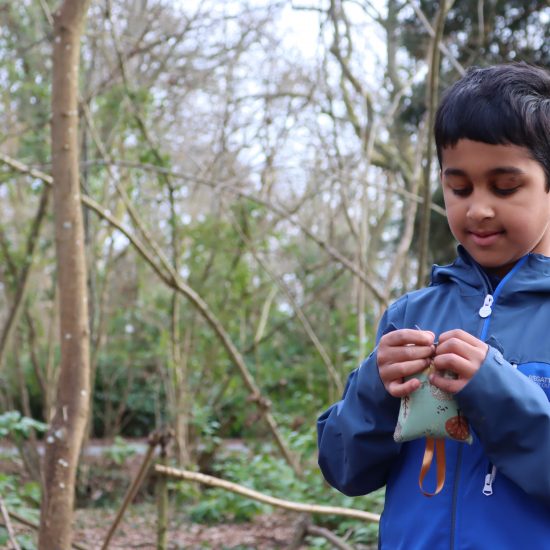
<point x="533" y="275"/>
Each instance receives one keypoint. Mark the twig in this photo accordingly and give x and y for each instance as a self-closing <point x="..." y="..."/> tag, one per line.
<point x="162" y="498"/>
<point x="132" y="490"/>
<point x="23" y="521"/>
<point x="331" y="370"/>
<point x="176" y="282"/>
<point x="9" y="526"/>
<point x="172" y="279"/>
<point x="21" y="278"/>
<point x="225" y="186"/>
<point x="266" y="499"/>
<point x="280" y="211"/>
<point x="420" y="14"/>
<point x="336" y="541"/>
<point x="28" y="523"/>
<point x="47" y="12"/>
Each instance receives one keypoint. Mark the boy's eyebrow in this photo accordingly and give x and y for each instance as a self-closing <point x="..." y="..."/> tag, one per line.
<point x="498" y="171"/>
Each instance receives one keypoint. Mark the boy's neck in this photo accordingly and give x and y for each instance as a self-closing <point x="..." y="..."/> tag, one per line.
<point x="494" y="278"/>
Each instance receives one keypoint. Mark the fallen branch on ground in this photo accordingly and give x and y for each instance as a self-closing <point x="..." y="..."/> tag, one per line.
<point x="266" y="499"/>
<point x="337" y="542"/>
<point x="8" y="525"/>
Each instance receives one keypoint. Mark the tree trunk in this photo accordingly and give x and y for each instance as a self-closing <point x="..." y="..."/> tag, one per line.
<point x="178" y="376"/>
<point x="64" y="438"/>
<point x="431" y="106"/>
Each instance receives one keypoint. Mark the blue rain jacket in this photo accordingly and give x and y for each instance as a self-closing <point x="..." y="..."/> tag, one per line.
<point x="506" y="402"/>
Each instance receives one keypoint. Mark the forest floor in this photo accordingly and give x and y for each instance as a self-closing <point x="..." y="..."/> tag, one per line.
<point x="97" y="507"/>
<point x="138" y="530"/>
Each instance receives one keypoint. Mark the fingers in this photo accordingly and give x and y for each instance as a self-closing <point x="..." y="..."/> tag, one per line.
<point x="408" y="336"/>
<point x="405" y="345"/>
<point x="402" y="354"/>
<point x="406" y="352"/>
<point x="388" y="355"/>
<point x="451" y="372"/>
<point x="397" y="371"/>
<point x="396" y="376"/>
<point x="448" y="385"/>
<point x="459" y="334"/>
<point x="463" y="345"/>
<point x="401" y="389"/>
<point x="460" y="354"/>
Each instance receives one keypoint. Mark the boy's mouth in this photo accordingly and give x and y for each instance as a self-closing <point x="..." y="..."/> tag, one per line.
<point x="485" y="238"/>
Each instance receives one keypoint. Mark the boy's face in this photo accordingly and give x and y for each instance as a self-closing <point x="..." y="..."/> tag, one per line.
<point x="496" y="202"/>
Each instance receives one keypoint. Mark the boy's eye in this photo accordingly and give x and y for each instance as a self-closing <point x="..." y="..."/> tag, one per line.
<point x="461" y="191"/>
<point x="505" y="191"/>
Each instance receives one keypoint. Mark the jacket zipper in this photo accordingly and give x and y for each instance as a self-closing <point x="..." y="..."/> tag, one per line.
<point x="489" y="478"/>
<point x="485" y="312"/>
<point x="486" y="309"/>
<point x="492" y="469"/>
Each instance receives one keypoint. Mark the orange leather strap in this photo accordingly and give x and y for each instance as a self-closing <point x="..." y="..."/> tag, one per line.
<point x="437" y="447"/>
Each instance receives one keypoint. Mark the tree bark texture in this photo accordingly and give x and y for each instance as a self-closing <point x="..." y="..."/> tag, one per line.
<point x="431" y="105"/>
<point x="64" y="439"/>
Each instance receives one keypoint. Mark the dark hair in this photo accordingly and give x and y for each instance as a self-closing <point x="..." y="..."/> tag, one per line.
<point x="500" y="105"/>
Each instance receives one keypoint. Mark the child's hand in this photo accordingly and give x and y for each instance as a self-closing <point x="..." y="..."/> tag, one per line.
<point x="403" y="353"/>
<point x="460" y="353"/>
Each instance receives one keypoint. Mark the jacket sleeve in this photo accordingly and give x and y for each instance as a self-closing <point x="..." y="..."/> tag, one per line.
<point x="355" y="435"/>
<point x="511" y="416"/>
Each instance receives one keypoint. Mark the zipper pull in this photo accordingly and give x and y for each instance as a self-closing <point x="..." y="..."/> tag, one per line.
<point x="488" y="487"/>
<point x="485" y="310"/>
<point x="489" y="478"/>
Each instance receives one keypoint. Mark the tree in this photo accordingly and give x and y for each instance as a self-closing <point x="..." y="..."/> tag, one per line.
<point x="66" y="432"/>
<point x="280" y="188"/>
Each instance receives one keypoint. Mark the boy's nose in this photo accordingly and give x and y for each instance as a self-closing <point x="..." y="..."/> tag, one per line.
<point x="480" y="210"/>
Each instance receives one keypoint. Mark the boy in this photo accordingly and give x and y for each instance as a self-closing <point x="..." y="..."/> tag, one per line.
<point x="490" y="313"/>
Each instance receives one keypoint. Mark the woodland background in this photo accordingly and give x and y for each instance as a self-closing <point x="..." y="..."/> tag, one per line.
<point x="258" y="182"/>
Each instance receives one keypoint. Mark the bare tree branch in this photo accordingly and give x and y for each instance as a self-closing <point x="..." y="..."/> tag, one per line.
<point x="423" y="19"/>
<point x="167" y="274"/>
<point x="331" y="370"/>
<point x="431" y="106"/>
<point x="22" y="278"/>
<point x="266" y="499"/>
<point x="336" y="541"/>
<point x="9" y="526"/>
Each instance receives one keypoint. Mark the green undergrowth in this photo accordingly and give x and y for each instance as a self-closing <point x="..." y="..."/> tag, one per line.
<point x="22" y="499"/>
<point x="255" y="465"/>
<point x="261" y="468"/>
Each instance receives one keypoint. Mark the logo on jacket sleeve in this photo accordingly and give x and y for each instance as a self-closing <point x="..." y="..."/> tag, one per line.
<point x="538" y="373"/>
